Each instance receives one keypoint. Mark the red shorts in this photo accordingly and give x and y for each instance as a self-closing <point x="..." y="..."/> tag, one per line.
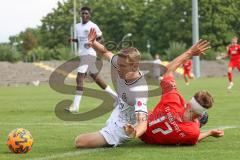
<point x="233" y="64"/>
<point x="187" y="72"/>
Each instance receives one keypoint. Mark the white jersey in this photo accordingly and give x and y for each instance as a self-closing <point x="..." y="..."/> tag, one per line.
<point x="132" y="98"/>
<point x="157" y="61"/>
<point x="82" y="31"/>
<point x="156" y="67"/>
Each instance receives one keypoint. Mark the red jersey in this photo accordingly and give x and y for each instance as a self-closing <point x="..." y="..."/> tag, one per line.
<point x="234" y="52"/>
<point x="165" y="125"/>
<point x="187" y="65"/>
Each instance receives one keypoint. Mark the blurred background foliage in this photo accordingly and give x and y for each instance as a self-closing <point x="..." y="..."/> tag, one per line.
<point x="164" y="25"/>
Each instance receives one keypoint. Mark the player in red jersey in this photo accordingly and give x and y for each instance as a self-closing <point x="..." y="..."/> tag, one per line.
<point x="233" y="52"/>
<point x="187" y="67"/>
<point x="173" y="121"/>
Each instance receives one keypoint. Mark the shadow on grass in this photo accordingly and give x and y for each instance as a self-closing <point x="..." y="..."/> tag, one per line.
<point x="140" y="144"/>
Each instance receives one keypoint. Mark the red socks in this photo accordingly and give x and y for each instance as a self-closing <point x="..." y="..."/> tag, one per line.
<point x="230" y="76"/>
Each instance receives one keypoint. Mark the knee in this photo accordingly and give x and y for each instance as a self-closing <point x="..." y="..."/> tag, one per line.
<point x="94" y="76"/>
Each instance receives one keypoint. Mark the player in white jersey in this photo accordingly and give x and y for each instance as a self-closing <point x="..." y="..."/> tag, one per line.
<point x="132" y="92"/>
<point x="87" y="58"/>
<point x="156" y="69"/>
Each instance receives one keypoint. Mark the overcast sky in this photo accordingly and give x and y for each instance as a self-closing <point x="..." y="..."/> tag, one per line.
<point x="17" y="15"/>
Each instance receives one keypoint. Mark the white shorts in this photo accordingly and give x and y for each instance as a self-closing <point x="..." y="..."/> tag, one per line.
<point x="113" y="134"/>
<point x="87" y="64"/>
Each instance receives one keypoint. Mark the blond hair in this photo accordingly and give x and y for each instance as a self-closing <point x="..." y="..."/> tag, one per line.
<point x="131" y="54"/>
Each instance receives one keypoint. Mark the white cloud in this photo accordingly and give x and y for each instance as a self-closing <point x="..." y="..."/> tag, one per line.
<point x="17" y="15"/>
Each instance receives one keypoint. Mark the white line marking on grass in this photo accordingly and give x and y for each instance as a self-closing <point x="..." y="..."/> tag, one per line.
<point x="71" y="154"/>
<point x="222" y="127"/>
<point x="54" y="124"/>
<point x="228" y="127"/>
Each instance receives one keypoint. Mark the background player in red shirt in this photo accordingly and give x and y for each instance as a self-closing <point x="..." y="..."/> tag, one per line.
<point x="233" y="51"/>
<point x="187" y="67"/>
<point x="173" y="121"/>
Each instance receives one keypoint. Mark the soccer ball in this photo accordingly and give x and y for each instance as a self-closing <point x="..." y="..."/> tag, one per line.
<point x="20" y="141"/>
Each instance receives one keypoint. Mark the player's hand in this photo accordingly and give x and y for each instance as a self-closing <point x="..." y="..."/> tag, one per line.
<point x="130" y="131"/>
<point x="221" y="56"/>
<point x="217" y="133"/>
<point x="92" y="36"/>
<point x="199" y="48"/>
<point x="70" y="40"/>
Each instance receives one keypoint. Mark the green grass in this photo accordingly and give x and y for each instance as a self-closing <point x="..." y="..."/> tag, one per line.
<point x="33" y="108"/>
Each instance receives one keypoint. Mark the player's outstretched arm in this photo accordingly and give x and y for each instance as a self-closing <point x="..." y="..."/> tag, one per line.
<point x="100" y="49"/>
<point x="197" y="49"/>
<point x="221" y="56"/>
<point x="224" y="56"/>
<point x="214" y="133"/>
<point x="139" y="129"/>
<point x="73" y="40"/>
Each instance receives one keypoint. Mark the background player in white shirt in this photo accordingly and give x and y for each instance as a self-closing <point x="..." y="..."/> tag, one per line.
<point x="156" y="69"/>
<point x="87" y="58"/>
<point x="132" y="99"/>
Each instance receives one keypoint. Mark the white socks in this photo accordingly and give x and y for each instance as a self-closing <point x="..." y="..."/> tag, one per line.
<point x="77" y="100"/>
<point x="230" y="85"/>
<point x="109" y="90"/>
<point x="78" y="97"/>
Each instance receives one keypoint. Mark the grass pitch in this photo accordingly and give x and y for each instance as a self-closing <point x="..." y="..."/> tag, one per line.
<point x="33" y="108"/>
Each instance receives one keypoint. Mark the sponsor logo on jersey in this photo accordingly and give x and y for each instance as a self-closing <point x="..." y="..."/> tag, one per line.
<point x="139" y="104"/>
<point x="124" y="97"/>
<point x="85" y="32"/>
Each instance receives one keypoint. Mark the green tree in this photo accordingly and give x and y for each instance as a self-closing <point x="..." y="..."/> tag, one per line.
<point x="159" y="21"/>
<point x="56" y="26"/>
<point x="175" y="49"/>
<point x="219" y="21"/>
<point x="29" y="41"/>
<point x="9" y="53"/>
